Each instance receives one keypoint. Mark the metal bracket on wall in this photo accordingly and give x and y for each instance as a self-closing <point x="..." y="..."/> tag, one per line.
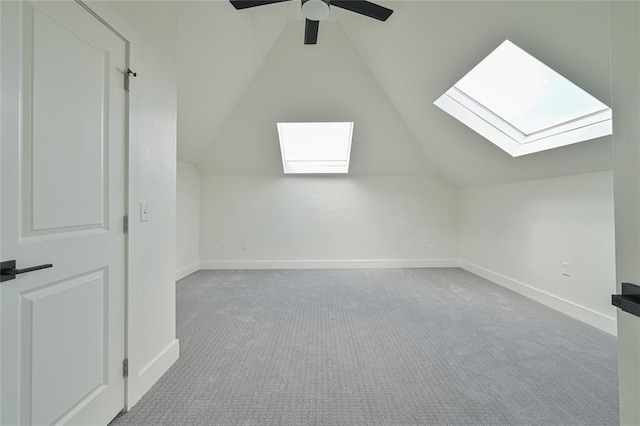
<point x="127" y="76"/>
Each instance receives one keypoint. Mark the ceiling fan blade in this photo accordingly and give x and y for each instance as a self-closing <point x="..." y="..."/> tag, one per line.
<point x="311" y="32"/>
<point x="245" y="4"/>
<point x="366" y="8"/>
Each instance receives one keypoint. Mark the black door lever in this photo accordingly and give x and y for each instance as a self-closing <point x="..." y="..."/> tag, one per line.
<point x="8" y="270"/>
<point x="629" y="300"/>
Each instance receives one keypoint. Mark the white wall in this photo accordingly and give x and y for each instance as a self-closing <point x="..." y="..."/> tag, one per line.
<point x="327" y="221"/>
<point x="151" y="328"/>
<point x="518" y="235"/>
<point x="188" y="220"/>
<point x="208" y="96"/>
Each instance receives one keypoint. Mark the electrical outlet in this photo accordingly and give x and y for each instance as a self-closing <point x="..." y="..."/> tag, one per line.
<point x="566" y="269"/>
<point x="425" y="244"/>
<point x="243" y="245"/>
<point x="223" y="245"/>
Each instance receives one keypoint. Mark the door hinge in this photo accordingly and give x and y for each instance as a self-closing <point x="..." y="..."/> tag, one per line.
<point x="125" y="368"/>
<point x="127" y="78"/>
<point x="125" y="224"/>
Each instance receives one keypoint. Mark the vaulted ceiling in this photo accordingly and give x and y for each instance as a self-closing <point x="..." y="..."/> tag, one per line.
<point x="243" y="71"/>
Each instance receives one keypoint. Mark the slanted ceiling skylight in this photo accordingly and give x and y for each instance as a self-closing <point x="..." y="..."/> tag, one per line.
<point x="523" y="106"/>
<point x="315" y="147"/>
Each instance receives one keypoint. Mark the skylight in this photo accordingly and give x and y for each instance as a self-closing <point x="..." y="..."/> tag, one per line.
<point x="523" y="106"/>
<point x="315" y="147"/>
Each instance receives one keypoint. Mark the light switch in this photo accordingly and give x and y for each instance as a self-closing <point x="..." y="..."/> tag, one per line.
<point x="144" y="211"/>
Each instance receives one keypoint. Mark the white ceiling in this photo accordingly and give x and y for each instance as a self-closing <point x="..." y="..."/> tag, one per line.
<point x="249" y="69"/>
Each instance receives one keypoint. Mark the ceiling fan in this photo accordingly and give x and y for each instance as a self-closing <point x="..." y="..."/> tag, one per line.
<point x="316" y="10"/>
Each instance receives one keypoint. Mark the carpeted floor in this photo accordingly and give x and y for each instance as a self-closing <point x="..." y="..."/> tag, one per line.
<point x="387" y="346"/>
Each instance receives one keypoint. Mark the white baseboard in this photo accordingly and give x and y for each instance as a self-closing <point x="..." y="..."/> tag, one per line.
<point x="329" y="264"/>
<point x="187" y="270"/>
<point x="141" y="379"/>
<point x="589" y="316"/>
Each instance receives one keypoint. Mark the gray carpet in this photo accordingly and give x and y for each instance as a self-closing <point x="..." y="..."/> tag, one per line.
<point x="389" y="346"/>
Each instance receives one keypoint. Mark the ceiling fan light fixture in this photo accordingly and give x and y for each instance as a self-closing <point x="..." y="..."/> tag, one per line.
<point x="315" y="10"/>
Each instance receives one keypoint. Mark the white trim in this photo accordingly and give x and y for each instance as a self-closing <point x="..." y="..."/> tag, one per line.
<point x="477" y="124"/>
<point x="328" y="264"/>
<point x="505" y="127"/>
<point x="136" y="385"/>
<point x="112" y="20"/>
<point x="514" y="148"/>
<point x="149" y="374"/>
<point x="581" y="313"/>
<point x="187" y="270"/>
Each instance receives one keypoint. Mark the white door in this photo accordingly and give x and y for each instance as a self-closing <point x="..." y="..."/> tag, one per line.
<point x="63" y="192"/>
<point x="625" y="73"/>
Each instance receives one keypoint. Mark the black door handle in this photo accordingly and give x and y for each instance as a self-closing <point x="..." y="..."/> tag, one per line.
<point x="8" y="270"/>
<point x="629" y="300"/>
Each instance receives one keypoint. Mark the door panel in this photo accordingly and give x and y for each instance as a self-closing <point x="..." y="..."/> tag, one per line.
<point x="68" y="132"/>
<point x="44" y="312"/>
<point x="63" y="191"/>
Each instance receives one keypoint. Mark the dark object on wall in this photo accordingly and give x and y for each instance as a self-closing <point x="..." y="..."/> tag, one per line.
<point x="629" y="300"/>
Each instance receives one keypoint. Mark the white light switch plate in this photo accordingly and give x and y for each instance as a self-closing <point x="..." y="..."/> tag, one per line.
<point x="144" y="211"/>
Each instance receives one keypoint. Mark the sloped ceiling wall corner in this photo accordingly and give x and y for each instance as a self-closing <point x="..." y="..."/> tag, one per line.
<point x="219" y="53"/>
<point x="325" y="82"/>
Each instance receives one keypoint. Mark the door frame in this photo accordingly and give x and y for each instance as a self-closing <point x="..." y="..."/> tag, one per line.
<point x="625" y="59"/>
<point x="131" y="150"/>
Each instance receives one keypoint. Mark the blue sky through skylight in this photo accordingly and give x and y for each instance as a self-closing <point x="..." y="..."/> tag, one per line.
<point x="525" y="92"/>
<point x="523" y="106"/>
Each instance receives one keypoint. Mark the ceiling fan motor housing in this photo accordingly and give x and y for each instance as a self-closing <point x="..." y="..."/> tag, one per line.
<point x="315" y="10"/>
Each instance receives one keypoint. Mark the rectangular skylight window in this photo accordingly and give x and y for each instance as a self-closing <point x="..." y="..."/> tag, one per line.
<point x="523" y="106"/>
<point x="315" y="147"/>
